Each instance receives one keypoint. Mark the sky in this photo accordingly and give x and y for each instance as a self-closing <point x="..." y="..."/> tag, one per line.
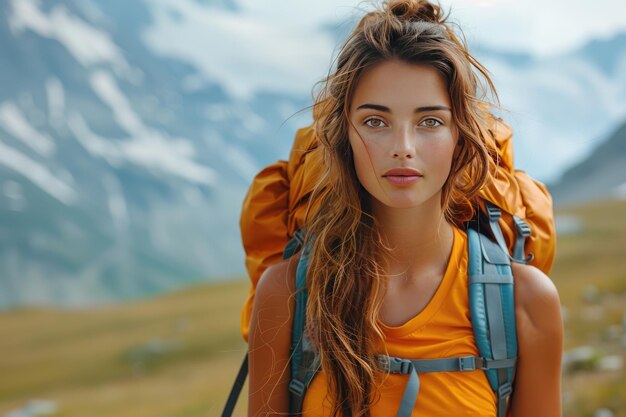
<point x="281" y="46"/>
<point x="536" y="26"/>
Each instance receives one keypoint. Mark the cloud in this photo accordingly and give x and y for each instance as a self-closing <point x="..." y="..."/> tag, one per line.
<point x="246" y="53"/>
<point x="87" y="44"/>
<point x="539" y="27"/>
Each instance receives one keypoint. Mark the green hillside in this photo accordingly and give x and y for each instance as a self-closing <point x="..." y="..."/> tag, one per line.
<point x="177" y="355"/>
<point x="168" y="356"/>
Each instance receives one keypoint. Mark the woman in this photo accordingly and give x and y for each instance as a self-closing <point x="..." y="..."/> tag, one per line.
<point x="400" y="125"/>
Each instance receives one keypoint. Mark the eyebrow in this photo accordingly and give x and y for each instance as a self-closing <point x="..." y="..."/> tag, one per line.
<point x="386" y="109"/>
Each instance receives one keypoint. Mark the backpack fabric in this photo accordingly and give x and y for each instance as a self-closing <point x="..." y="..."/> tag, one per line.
<point x="515" y="223"/>
<point x="492" y="310"/>
<point x="276" y="202"/>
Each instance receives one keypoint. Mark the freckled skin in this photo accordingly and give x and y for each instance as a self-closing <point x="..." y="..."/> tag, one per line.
<point x="401" y="138"/>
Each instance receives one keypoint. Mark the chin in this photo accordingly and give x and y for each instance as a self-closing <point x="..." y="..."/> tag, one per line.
<point x="403" y="203"/>
<point x="408" y="201"/>
<point x="401" y="199"/>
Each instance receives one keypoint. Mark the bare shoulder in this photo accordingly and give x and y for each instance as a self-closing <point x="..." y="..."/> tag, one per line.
<point x="537" y="380"/>
<point x="273" y="298"/>
<point x="270" y="339"/>
<point x="536" y="296"/>
<point x="278" y="279"/>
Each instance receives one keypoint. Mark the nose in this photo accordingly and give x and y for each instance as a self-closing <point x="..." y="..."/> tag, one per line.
<point x="403" y="143"/>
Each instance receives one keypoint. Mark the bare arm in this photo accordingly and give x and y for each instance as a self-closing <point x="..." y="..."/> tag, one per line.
<point x="270" y="341"/>
<point x="537" y="386"/>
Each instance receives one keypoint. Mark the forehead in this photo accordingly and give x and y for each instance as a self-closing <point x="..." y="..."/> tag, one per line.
<point x="400" y="85"/>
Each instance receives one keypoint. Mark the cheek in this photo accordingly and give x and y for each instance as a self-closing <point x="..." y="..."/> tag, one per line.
<point x="364" y="157"/>
<point x="439" y="155"/>
<point x="361" y="162"/>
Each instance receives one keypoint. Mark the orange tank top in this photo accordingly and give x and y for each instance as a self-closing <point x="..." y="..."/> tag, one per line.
<point x="442" y="329"/>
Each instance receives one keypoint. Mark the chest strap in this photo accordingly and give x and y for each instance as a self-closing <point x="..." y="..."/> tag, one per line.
<point x="413" y="367"/>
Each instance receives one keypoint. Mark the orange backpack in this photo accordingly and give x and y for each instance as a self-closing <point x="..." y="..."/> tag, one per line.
<point x="276" y="203"/>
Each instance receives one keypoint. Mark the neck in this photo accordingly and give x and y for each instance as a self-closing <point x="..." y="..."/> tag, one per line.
<point x="420" y="237"/>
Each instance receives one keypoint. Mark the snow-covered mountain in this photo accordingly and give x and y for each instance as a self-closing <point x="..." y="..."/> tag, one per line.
<point x="130" y="131"/>
<point x="561" y="107"/>
<point x="122" y="171"/>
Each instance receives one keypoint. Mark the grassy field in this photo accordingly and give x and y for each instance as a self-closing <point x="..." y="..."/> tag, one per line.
<point x="174" y="355"/>
<point x="590" y="273"/>
<point x="177" y="355"/>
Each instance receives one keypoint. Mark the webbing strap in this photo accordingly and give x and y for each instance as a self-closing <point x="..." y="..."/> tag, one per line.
<point x="491" y="270"/>
<point x="294" y="244"/>
<point x="299" y="312"/>
<point x="290" y="249"/>
<point x="495" y="316"/>
<point x="298" y="355"/>
<point x="491" y="279"/>
<point x="493" y="273"/>
<point x="396" y="365"/>
<point x="236" y="389"/>
<point x="413" y="367"/>
<point x="504" y="392"/>
<point x="302" y="357"/>
<point x="496" y="321"/>
<point x="494" y="214"/>
<point x="523" y="231"/>
<point x="410" y="393"/>
<point x="299" y="384"/>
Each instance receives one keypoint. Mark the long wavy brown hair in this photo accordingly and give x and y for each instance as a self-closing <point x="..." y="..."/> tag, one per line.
<point x="345" y="278"/>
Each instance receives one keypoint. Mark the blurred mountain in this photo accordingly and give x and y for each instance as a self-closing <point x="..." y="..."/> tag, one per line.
<point x="602" y="175"/>
<point x="608" y="54"/>
<point x="122" y="172"/>
<point x="560" y="107"/>
<point x="130" y="132"/>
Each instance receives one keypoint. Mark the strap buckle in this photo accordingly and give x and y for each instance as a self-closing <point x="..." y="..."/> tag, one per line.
<point x="467" y="363"/>
<point x="522" y="227"/>
<point x="404" y="366"/>
<point x="493" y="211"/>
<point x="505" y="390"/>
<point x="383" y="361"/>
<point x="297" y="387"/>
<point x="395" y="365"/>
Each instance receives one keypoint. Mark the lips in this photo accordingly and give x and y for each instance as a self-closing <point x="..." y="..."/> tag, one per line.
<point x="403" y="172"/>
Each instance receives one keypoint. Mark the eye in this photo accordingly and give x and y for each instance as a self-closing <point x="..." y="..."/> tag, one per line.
<point x="431" y="125"/>
<point x="378" y="123"/>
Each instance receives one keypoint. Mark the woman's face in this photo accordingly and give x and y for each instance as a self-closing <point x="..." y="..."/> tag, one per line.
<point x="403" y="119"/>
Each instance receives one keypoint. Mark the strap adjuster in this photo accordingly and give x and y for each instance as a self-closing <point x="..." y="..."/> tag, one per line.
<point x="493" y="211"/>
<point x="467" y="363"/>
<point x="297" y="387"/>
<point x="383" y="361"/>
<point x="522" y="227"/>
<point x="505" y="390"/>
<point x="404" y="366"/>
<point x="396" y="365"/>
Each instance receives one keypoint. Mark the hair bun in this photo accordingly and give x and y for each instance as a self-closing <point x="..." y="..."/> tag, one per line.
<point x="415" y="10"/>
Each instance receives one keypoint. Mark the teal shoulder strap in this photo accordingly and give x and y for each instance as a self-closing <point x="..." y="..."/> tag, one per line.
<point x="304" y="361"/>
<point x="300" y="347"/>
<point x="492" y="310"/>
<point x="493" y="321"/>
<point x="522" y="230"/>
